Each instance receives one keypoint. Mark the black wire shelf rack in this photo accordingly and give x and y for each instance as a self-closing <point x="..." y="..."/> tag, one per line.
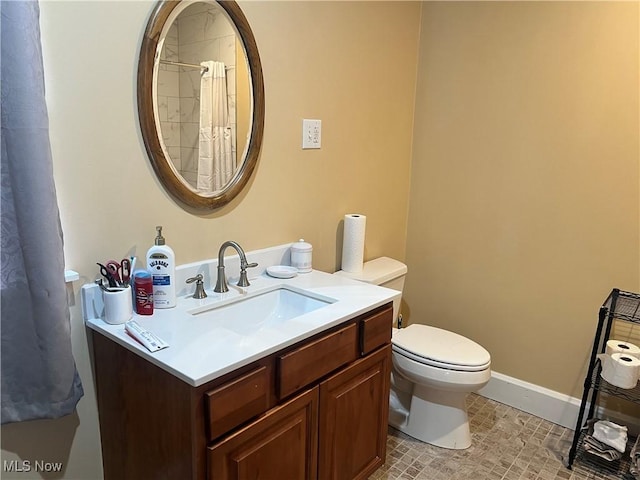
<point x="623" y="306"/>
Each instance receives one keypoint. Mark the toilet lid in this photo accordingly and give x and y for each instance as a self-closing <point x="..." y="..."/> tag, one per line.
<point x="441" y="348"/>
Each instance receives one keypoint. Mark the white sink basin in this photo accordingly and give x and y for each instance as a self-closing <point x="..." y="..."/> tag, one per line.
<point x="248" y="315"/>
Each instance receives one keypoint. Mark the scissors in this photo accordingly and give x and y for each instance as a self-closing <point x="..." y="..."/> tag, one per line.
<point x="121" y="271"/>
<point x="114" y="268"/>
<point x="107" y="273"/>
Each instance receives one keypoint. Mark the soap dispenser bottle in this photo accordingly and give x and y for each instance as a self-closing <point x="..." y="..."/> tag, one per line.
<point x="161" y="263"/>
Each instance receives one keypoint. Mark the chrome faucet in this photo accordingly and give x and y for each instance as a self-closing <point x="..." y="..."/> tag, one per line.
<point x="221" y="282"/>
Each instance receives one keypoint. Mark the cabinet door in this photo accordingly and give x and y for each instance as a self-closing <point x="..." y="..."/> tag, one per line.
<point x="282" y="444"/>
<point x="354" y="407"/>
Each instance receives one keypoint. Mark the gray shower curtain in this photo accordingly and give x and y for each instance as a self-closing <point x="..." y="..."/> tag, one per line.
<point x="38" y="373"/>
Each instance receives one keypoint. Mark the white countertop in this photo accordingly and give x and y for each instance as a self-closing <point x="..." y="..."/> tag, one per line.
<point x="201" y="350"/>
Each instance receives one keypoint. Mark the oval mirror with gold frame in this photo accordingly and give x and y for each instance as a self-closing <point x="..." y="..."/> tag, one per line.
<point x="195" y="54"/>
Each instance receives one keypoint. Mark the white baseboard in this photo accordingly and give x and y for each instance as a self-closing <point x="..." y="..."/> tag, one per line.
<point x="555" y="407"/>
<point x="534" y="399"/>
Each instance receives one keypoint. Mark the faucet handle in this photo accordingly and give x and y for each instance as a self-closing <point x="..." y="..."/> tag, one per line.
<point x="244" y="281"/>
<point x="199" y="293"/>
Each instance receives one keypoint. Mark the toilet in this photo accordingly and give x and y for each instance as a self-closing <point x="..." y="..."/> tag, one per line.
<point x="433" y="370"/>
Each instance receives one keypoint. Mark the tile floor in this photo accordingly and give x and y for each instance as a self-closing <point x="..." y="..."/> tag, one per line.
<point x="507" y="444"/>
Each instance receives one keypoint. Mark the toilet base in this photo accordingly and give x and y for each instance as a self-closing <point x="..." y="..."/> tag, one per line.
<point x="437" y="417"/>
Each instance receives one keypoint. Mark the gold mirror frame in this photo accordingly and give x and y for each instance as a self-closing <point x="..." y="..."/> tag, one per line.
<point x="163" y="167"/>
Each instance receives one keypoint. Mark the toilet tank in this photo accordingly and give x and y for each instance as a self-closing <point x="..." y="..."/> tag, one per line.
<point x="383" y="271"/>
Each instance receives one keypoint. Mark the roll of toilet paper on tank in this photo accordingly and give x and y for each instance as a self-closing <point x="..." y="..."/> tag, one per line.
<point x="353" y="242"/>
<point x="619" y="346"/>
<point x="620" y="370"/>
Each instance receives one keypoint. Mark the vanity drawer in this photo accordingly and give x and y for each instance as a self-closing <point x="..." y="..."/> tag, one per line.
<point x="237" y="401"/>
<point x="375" y="330"/>
<point x="305" y="364"/>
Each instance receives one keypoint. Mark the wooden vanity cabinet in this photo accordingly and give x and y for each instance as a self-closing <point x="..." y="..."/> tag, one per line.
<point x="282" y="444"/>
<point x="154" y="425"/>
<point x="354" y="407"/>
<point x="317" y="409"/>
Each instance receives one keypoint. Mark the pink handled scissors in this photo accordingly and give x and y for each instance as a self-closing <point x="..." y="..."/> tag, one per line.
<point x="114" y="268"/>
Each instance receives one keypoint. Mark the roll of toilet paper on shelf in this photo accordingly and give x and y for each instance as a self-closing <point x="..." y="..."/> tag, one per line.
<point x="353" y="242"/>
<point x="619" y="346"/>
<point x="620" y="370"/>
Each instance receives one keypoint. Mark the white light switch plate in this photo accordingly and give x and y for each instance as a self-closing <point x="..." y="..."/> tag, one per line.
<point x="311" y="133"/>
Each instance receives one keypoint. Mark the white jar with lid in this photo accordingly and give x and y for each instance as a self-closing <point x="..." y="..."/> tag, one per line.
<point x="301" y="253"/>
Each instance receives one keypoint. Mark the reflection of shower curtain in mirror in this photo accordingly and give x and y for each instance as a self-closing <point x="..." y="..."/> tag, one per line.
<point x="216" y="163"/>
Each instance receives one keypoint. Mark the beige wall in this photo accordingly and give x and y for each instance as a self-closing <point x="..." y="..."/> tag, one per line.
<point x="352" y="65"/>
<point x="524" y="207"/>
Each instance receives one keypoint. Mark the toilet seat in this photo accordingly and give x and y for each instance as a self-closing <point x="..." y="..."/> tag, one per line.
<point x="440" y="348"/>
